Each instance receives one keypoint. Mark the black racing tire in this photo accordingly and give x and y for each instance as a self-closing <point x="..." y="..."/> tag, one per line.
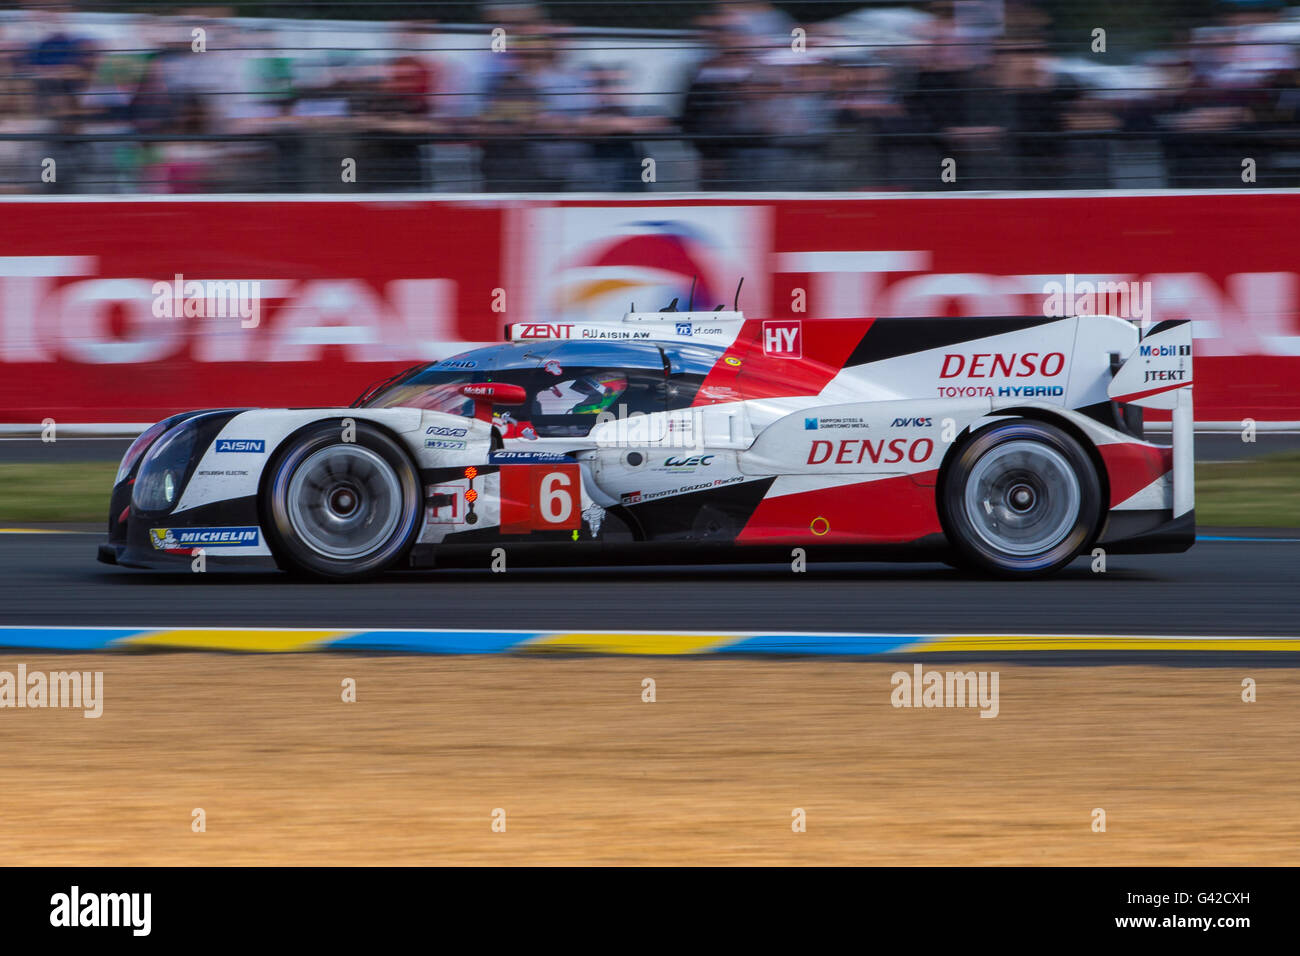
<point x="1021" y="499"/>
<point x="341" y="510"/>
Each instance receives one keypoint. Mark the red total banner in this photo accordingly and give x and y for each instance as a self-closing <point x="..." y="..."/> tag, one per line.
<point x="129" y="310"/>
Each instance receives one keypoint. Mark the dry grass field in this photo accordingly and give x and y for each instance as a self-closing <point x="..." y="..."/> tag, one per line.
<point x="586" y="772"/>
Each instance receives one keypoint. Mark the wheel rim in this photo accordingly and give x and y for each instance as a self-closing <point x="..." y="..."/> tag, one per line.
<point x="344" y="502"/>
<point x="1023" y="497"/>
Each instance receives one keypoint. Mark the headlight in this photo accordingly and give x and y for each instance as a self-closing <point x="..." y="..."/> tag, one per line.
<point x="138" y="448"/>
<point x="163" y="470"/>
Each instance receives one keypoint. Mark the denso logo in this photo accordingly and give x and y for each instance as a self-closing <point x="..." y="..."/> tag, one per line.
<point x="688" y="462"/>
<point x="853" y="451"/>
<point x="246" y="445"/>
<point x="446" y="431"/>
<point x="544" y="331"/>
<point x="995" y="365"/>
<point x="912" y="423"/>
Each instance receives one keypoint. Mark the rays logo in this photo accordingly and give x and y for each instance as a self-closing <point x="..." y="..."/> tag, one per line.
<point x="254" y="446"/>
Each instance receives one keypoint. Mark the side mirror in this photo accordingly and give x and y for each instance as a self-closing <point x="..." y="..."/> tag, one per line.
<point x="496" y="393"/>
<point x="488" y="394"/>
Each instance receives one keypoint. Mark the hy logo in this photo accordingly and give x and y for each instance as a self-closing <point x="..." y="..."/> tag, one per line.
<point x="783" y="338"/>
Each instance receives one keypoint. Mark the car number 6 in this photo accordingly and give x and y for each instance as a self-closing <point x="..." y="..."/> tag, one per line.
<point x="556" y="500"/>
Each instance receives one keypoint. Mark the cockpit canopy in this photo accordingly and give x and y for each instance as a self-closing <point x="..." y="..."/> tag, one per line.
<point x="567" y="384"/>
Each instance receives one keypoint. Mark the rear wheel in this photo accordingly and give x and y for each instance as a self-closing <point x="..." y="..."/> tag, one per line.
<point x="1021" y="499"/>
<point x="341" y="509"/>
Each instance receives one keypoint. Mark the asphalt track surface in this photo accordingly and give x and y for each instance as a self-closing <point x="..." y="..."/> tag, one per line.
<point x="1220" y="587"/>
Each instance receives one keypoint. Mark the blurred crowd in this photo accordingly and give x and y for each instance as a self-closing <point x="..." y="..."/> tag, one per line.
<point x="741" y="98"/>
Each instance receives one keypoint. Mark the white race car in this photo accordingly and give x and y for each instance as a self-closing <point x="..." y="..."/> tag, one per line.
<point x="1007" y="444"/>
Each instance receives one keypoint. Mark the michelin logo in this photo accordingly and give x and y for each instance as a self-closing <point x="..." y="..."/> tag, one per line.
<point x="181" y="539"/>
<point x="255" y="446"/>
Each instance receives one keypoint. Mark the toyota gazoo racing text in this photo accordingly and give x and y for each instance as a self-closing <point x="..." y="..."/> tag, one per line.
<point x="1009" y="445"/>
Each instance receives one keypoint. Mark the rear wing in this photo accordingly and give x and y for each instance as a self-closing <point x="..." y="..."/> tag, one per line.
<point x="1158" y="374"/>
<point x="1160" y="366"/>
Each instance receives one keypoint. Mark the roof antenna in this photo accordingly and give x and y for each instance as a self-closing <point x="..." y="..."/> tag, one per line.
<point x="690" y="303"/>
<point x="735" y="306"/>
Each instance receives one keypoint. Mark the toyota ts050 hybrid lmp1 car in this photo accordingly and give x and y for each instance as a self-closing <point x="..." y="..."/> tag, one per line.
<point x="1009" y="445"/>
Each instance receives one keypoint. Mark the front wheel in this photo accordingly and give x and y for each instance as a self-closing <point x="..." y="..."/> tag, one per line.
<point x="341" y="509"/>
<point x="1021" y="499"/>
